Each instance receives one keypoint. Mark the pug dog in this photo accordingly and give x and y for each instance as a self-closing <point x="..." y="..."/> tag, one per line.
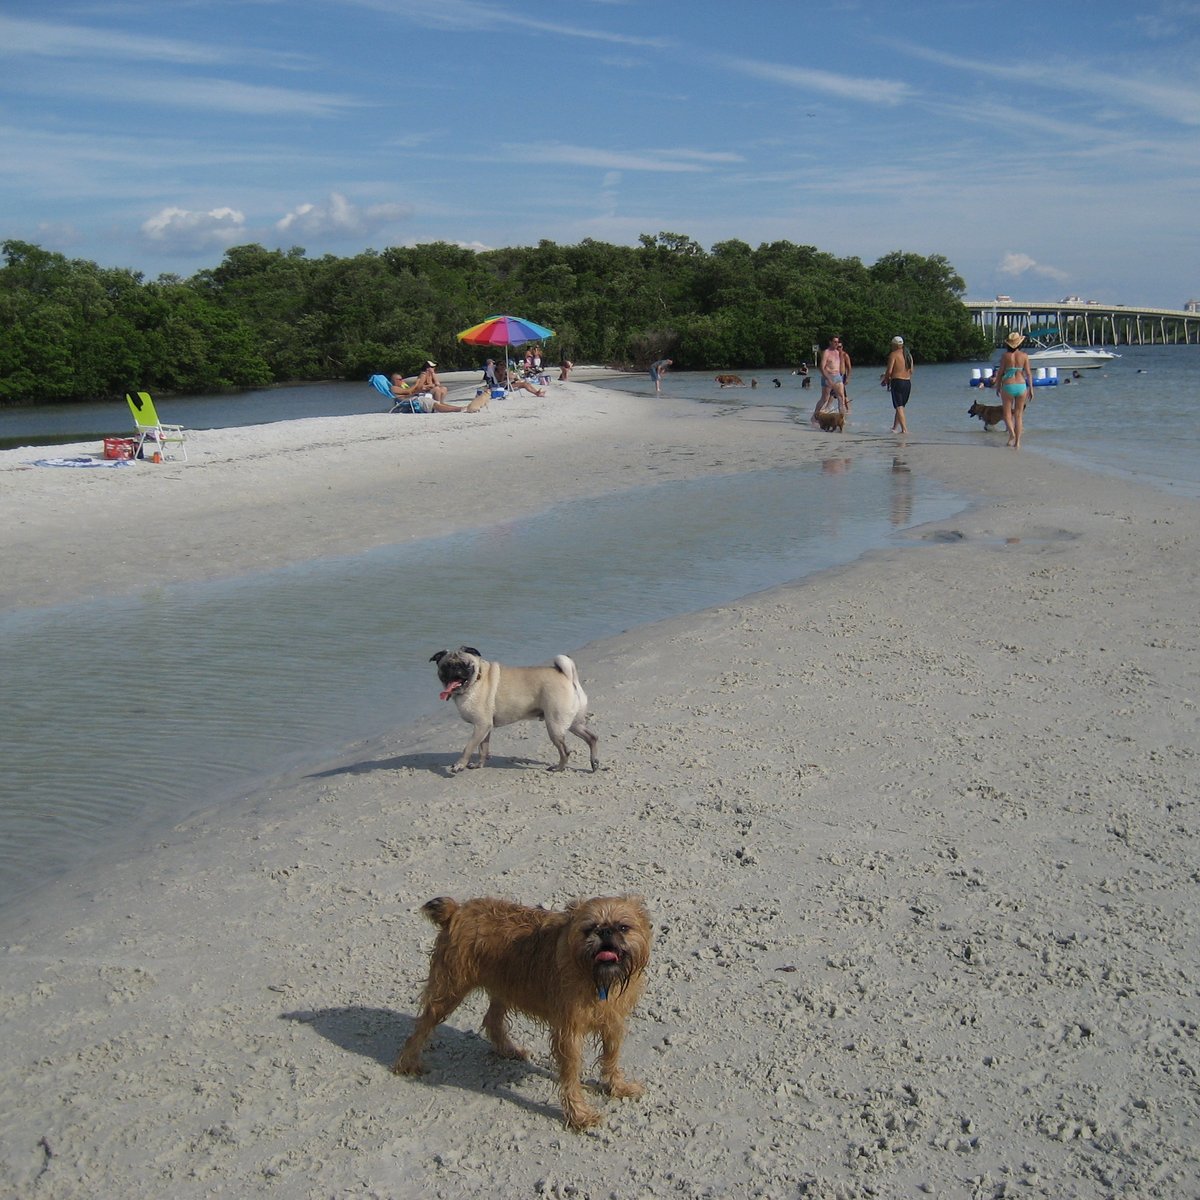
<point x="488" y="695"/>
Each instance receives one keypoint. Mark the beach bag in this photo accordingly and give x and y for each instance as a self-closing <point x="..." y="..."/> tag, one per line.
<point x="119" y="447"/>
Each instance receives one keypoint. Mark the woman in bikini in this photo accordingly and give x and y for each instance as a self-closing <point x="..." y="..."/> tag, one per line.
<point x="1014" y="386"/>
<point x="832" y="379"/>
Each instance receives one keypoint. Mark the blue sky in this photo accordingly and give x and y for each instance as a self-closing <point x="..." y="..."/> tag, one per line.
<point x="1045" y="149"/>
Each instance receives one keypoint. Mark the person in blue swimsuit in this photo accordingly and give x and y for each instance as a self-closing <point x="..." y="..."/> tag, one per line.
<point x="1014" y="386"/>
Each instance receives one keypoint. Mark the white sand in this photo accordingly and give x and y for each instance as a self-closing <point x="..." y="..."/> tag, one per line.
<point x="918" y="836"/>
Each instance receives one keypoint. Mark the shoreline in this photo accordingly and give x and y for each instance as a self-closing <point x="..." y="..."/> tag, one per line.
<point x="916" y="834"/>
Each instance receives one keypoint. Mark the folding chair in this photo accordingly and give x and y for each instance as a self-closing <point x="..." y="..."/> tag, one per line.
<point x="413" y="402"/>
<point x="151" y="429"/>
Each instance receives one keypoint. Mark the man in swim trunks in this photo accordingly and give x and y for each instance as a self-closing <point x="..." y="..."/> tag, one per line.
<point x="1014" y="386"/>
<point x="831" y="378"/>
<point x="897" y="376"/>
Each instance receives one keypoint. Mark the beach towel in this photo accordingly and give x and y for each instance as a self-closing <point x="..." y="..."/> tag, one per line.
<point x="82" y="461"/>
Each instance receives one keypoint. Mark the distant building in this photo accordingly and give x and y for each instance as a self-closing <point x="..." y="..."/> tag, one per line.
<point x="1192" y="306"/>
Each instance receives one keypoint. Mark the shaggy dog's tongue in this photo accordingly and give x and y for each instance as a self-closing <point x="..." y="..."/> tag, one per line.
<point x="607" y="956"/>
<point x="451" y="688"/>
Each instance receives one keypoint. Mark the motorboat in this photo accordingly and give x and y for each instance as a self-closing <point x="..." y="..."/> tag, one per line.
<point x="1060" y="355"/>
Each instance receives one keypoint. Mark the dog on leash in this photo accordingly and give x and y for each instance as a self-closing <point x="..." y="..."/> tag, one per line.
<point x="730" y="380"/>
<point x="580" y="971"/>
<point x="488" y="695"/>
<point x="990" y="414"/>
<point x="831" y="422"/>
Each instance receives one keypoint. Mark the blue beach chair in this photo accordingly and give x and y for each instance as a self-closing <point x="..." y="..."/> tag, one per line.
<point x="415" y="402"/>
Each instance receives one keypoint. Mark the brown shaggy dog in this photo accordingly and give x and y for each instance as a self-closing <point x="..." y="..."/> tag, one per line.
<point x="730" y="380"/>
<point x="581" y="971"/>
<point x="990" y="414"/>
<point x="831" y="421"/>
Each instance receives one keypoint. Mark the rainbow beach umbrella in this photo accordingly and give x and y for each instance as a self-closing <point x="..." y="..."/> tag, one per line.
<point x="505" y="331"/>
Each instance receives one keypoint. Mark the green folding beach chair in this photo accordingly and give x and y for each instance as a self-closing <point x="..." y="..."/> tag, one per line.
<point x="152" y="435"/>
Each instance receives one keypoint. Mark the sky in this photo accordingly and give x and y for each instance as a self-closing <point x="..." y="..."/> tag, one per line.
<point x="1045" y="150"/>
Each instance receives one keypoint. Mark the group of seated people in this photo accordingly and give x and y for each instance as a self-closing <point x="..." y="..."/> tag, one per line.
<point x="427" y="393"/>
<point x="498" y="376"/>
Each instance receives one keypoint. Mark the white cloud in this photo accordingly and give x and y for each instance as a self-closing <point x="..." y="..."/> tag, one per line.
<point x="808" y="79"/>
<point x="182" y="229"/>
<point x="1014" y="264"/>
<point x="609" y="160"/>
<point x="52" y="39"/>
<point x="1171" y="99"/>
<point x="474" y="15"/>
<point x="339" y="217"/>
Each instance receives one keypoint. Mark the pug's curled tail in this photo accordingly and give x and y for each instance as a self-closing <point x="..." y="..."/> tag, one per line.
<point x="566" y="665"/>
<point x="439" y="910"/>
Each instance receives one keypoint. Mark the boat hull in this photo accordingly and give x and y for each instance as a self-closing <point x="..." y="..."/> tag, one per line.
<point x="1068" y="356"/>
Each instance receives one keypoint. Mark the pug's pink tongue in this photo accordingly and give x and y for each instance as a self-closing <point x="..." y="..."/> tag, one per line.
<point x="451" y="688"/>
<point x="606" y="956"/>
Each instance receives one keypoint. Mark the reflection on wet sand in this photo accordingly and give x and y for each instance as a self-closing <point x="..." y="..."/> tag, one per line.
<point x="835" y="466"/>
<point x="902" y="492"/>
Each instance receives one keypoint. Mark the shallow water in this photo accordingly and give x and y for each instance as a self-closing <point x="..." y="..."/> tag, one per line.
<point x="235" y="682"/>
<point x="222" y="685"/>
<point x="1138" y="417"/>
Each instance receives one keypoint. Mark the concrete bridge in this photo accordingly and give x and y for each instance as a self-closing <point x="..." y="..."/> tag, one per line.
<point x="1087" y="323"/>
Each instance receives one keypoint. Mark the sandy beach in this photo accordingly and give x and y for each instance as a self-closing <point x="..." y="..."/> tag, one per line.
<point x="917" y="836"/>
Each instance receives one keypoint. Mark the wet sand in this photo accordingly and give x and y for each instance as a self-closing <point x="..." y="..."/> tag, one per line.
<point x="918" y="836"/>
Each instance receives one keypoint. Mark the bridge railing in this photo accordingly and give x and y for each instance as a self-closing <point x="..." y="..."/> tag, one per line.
<point x="1087" y="324"/>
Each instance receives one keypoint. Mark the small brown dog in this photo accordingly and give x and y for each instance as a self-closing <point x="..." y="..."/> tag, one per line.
<point x="581" y="971"/>
<point x="990" y="414"/>
<point x="730" y="380"/>
<point x="831" y="422"/>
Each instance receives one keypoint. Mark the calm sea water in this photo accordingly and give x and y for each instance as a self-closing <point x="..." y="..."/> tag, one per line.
<point x="1138" y="417"/>
<point x="231" y="683"/>
<point x="285" y="669"/>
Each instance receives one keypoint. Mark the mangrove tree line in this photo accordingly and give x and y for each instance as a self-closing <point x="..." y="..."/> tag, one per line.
<point x="70" y="329"/>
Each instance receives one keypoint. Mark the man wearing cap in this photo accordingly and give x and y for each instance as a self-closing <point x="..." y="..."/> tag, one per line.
<point x="897" y="376"/>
